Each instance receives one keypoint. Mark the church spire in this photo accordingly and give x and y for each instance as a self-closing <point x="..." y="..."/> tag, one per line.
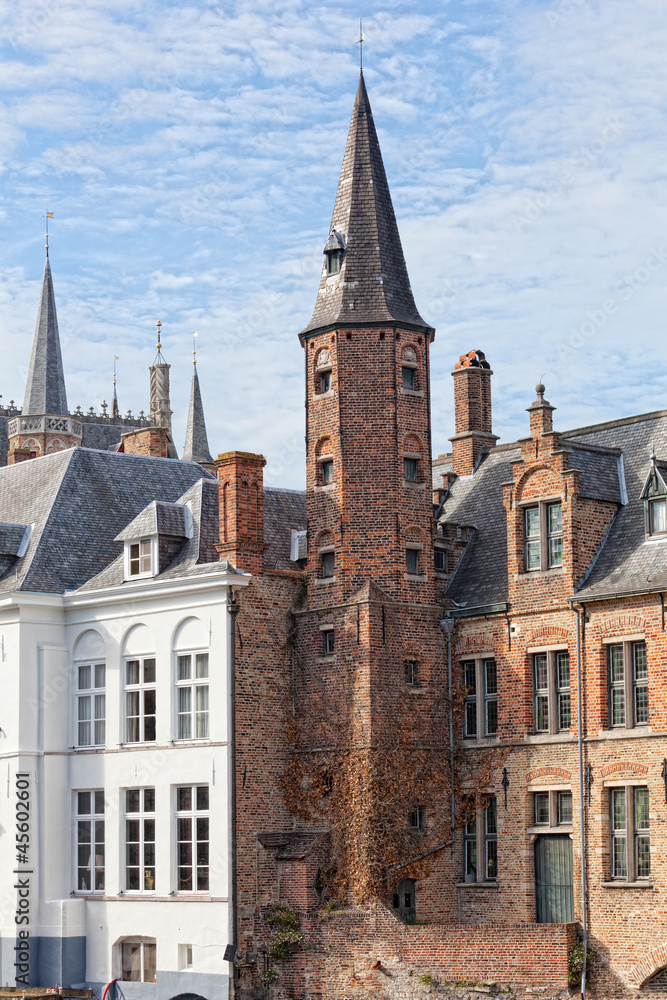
<point x="365" y="278"/>
<point x="45" y="388"/>
<point x="196" y="439"/>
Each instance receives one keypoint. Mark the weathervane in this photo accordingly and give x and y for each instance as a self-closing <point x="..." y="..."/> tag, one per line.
<point x="360" y="43"/>
<point x="49" y="215"/>
<point x="194" y="348"/>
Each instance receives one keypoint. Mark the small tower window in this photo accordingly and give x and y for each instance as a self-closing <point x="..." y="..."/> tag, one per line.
<point x="327" y="471"/>
<point x="328" y="564"/>
<point x="328" y="642"/>
<point x="334" y="252"/>
<point x="408" y="378"/>
<point x="440" y="557"/>
<point x="334" y="261"/>
<point x="410" y="469"/>
<point x="412" y="561"/>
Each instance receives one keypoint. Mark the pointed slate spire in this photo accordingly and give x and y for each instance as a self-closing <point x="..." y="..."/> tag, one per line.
<point x="45" y="388"/>
<point x="372" y="284"/>
<point x="196" y="440"/>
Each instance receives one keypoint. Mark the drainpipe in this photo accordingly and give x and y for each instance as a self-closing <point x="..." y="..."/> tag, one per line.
<point x="578" y="609"/>
<point x="232" y="609"/>
<point x="447" y="625"/>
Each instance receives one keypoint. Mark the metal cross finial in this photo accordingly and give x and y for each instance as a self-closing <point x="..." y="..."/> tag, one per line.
<point x="115" y="359"/>
<point x="194" y="348"/>
<point x="49" y="215"/>
<point x="360" y="43"/>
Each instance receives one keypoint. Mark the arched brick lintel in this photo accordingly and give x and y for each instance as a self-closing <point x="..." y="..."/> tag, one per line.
<point x="648" y="966"/>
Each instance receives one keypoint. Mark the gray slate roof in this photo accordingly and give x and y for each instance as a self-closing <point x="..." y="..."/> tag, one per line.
<point x="614" y="461"/>
<point x="196" y="439"/>
<point x="77" y="502"/>
<point x="373" y="284"/>
<point x="45" y="388"/>
<point x="283" y="510"/>
<point x="158" y="518"/>
<point x="11" y="537"/>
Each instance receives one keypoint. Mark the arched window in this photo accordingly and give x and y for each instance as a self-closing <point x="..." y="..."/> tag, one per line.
<point x="192" y="680"/>
<point x="409" y="367"/>
<point x="90" y="680"/>
<point x="323" y="369"/>
<point x="139" y="667"/>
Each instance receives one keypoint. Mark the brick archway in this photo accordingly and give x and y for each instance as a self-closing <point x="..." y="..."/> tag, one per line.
<point x="649" y="965"/>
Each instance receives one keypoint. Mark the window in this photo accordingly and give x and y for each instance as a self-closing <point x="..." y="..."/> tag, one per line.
<point x="410" y="469"/>
<point x="543" y="536"/>
<point x="192" y="696"/>
<point x="141" y="562"/>
<point x="334" y="261"/>
<point x="328" y="642"/>
<point x="480" y="676"/>
<point x="628" y="688"/>
<point x="416" y="818"/>
<point x="140" y="840"/>
<point x="629" y="822"/>
<point x="324" y="381"/>
<point x="90" y="841"/>
<point x="408" y="377"/>
<point x="185" y="956"/>
<point x="412" y="561"/>
<point x="412" y="673"/>
<point x="328" y="564"/>
<point x="552" y="711"/>
<point x="326" y="471"/>
<point x="91" y="704"/>
<point x="192" y="838"/>
<point x="440" y="560"/>
<point x="657" y="516"/>
<point x="480" y="839"/>
<point x="140" y="700"/>
<point x="137" y="960"/>
<point x="552" y="808"/>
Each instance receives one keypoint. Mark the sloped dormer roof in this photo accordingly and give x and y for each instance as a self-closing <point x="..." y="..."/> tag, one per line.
<point x="158" y="518"/>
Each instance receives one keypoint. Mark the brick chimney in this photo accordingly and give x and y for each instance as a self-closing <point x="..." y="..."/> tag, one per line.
<point x="241" y="493"/>
<point x="472" y="408"/>
<point x="146" y="441"/>
<point x="541" y="414"/>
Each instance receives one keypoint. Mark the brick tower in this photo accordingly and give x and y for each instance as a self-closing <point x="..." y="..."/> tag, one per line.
<point x="368" y="637"/>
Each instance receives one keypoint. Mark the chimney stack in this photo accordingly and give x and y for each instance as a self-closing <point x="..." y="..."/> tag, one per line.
<point x="152" y="441"/>
<point x="241" y="517"/>
<point x="472" y="407"/>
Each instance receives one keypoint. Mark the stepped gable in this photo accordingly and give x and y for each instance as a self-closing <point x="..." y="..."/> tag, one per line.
<point x="373" y="284"/>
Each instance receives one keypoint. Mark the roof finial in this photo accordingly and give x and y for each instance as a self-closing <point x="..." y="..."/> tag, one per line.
<point x="194" y="348"/>
<point x="115" y="412"/>
<point x="360" y="43"/>
<point x="159" y="360"/>
<point x="49" y="215"/>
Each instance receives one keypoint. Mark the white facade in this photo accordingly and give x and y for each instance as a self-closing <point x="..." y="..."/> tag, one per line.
<point x="67" y="908"/>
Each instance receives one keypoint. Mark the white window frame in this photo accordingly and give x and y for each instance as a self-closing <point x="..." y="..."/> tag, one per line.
<point x="152" y="555"/>
<point x="142" y="941"/>
<point x="92" y="818"/>
<point x="91" y="695"/>
<point x="142" y="816"/>
<point x="194" y="684"/>
<point x="193" y="814"/>
<point x="141" y="689"/>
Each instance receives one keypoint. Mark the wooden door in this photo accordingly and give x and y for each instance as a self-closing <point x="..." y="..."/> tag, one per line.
<point x="554" y="895"/>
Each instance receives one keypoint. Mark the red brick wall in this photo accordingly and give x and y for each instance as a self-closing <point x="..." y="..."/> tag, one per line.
<point x="146" y="441"/>
<point x="241" y="506"/>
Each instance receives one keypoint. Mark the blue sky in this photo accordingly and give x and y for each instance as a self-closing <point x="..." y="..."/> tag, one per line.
<point x="191" y="154"/>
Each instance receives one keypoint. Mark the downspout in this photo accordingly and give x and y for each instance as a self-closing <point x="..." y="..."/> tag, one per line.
<point x="447" y="625"/>
<point x="582" y="824"/>
<point x="232" y="610"/>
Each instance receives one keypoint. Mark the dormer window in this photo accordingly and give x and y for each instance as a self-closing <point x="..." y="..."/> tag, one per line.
<point x="654" y="496"/>
<point x="334" y="252"/>
<point x="141" y="561"/>
<point x="543" y="536"/>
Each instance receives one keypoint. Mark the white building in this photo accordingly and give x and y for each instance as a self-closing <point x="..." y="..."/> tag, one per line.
<point x="116" y="658"/>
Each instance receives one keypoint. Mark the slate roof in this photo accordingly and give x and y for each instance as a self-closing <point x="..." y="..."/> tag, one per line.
<point x="11" y="537"/>
<point x="284" y="510"/>
<point x="614" y="462"/>
<point x="373" y="284"/>
<point x="158" y="518"/>
<point x="45" y="387"/>
<point x="77" y="501"/>
<point x="196" y="439"/>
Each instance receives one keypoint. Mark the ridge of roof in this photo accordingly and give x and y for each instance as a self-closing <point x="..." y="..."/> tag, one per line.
<point x="372" y="285"/>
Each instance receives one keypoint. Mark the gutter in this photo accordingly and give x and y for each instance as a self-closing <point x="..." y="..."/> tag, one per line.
<point x="577" y="608"/>
<point x="479" y="612"/>
<point x="232" y="610"/>
<point x="618" y="595"/>
<point x="447" y="625"/>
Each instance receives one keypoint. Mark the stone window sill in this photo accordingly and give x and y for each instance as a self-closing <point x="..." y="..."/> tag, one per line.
<point x="419" y="393"/>
<point x="331" y="658"/>
<point x="419" y="577"/>
<point x="414" y="689"/>
<point x="323" y="395"/>
<point x="324" y="580"/>
<point x="549" y="738"/>
<point x="325" y="489"/>
<point x="474" y="742"/>
<point x="539" y="574"/>
<point x="545" y="828"/>
<point x="409" y="484"/>
<point x="620" y="884"/>
<point x="623" y="734"/>
<point x="476" y="885"/>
